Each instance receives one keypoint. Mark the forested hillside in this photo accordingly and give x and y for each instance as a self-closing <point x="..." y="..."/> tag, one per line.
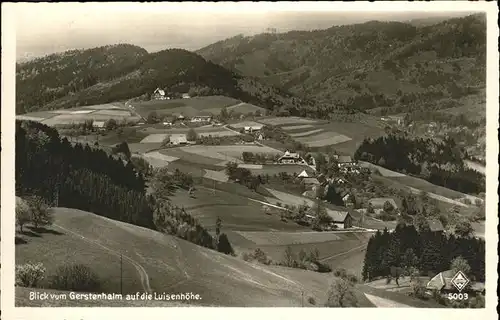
<point x="88" y="179"/>
<point x="375" y="67"/>
<point x="380" y="67"/>
<point x="78" y="177"/>
<point x="118" y="73"/>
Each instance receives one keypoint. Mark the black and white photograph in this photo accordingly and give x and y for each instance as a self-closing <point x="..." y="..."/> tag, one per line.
<point x="169" y="156"/>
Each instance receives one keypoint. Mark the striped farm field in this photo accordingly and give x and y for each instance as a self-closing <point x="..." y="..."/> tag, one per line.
<point x="288" y="238"/>
<point x="221" y="153"/>
<point x="69" y="111"/>
<point x="157" y="159"/>
<point x="250" y="166"/>
<point x="190" y="157"/>
<point x="221" y="133"/>
<point x="159" y="137"/>
<point x="204" y="131"/>
<point x="324" y="139"/>
<point x="286" y="120"/>
<point x="243" y="108"/>
<point x="305" y="134"/>
<point x="228" y="153"/>
<point x="298" y="127"/>
<point x="104" y="112"/>
<point x="154" y="138"/>
<point x="272" y="169"/>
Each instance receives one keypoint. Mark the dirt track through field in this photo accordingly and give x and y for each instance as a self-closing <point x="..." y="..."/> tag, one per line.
<point x="140" y="269"/>
<point x="344" y="253"/>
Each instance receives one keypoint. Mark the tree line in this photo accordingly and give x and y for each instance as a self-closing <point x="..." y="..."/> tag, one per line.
<point x="78" y="177"/>
<point x="51" y="171"/>
<point x="406" y="250"/>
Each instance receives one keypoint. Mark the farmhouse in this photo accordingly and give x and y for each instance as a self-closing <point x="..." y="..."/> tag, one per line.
<point x="378" y="203"/>
<point x="347" y="198"/>
<point x="291" y="158"/>
<point x="341" y="219"/>
<point x="180" y="117"/>
<point x="100" y="125"/>
<point x="441" y="283"/>
<point x="339" y="180"/>
<point x="396" y="119"/>
<point x="177" y="139"/>
<point x="201" y="119"/>
<point x="158" y="94"/>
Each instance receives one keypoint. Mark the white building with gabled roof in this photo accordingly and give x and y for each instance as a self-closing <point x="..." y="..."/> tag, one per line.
<point x="303" y="174"/>
<point x="159" y="94"/>
<point x="291" y="158"/>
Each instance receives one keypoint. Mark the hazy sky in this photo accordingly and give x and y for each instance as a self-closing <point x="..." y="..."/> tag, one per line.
<point x="44" y="28"/>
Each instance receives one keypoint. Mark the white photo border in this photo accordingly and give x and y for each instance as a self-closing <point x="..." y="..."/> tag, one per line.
<point x="8" y="176"/>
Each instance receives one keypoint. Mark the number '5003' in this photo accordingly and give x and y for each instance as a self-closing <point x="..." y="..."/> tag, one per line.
<point x="458" y="296"/>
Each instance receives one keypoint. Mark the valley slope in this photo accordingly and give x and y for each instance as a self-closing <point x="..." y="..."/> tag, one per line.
<point x="156" y="262"/>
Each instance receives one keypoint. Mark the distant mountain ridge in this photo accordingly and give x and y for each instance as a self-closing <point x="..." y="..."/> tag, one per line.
<point x="375" y="65"/>
<point x="120" y="72"/>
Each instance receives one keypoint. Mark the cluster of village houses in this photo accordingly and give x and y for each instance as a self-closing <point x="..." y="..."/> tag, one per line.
<point x="342" y="217"/>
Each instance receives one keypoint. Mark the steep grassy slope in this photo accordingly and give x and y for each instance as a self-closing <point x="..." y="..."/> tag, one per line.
<point x="381" y="66"/>
<point x="166" y="264"/>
